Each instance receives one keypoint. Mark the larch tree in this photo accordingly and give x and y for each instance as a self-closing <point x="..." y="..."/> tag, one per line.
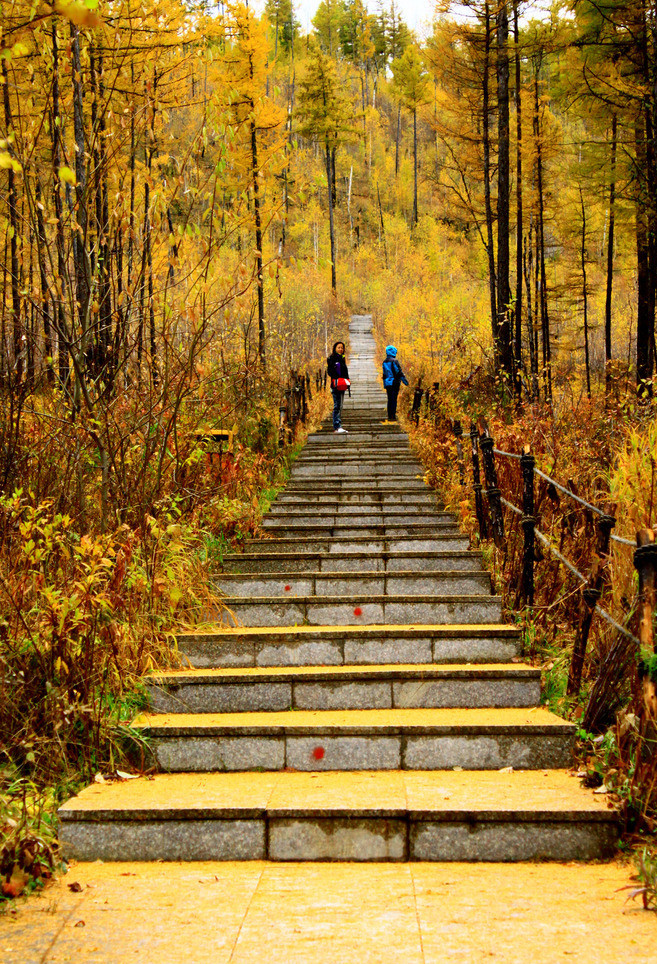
<point x="411" y="83"/>
<point x="326" y="115"/>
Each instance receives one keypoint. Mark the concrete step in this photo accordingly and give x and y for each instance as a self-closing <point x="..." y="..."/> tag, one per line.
<point x="397" y="739"/>
<point x="356" y="513"/>
<point x="365" y="518"/>
<point x="359" y="485"/>
<point x="354" y="583"/>
<point x="350" y="645"/>
<point x="359" y="610"/>
<point x="343" y="688"/>
<point x="352" y="562"/>
<point x="341" y="531"/>
<point x="368" y="437"/>
<point x="383" y="469"/>
<point x="374" y="816"/>
<point x="391" y="500"/>
<point x="438" y="540"/>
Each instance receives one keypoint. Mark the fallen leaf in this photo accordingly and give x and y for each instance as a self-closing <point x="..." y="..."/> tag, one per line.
<point x="75" y="887"/>
<point x="506" y="770"/>
<point x="127" y="776"/>
<point x="80" y="923"/>
<point x="16" y="884"/>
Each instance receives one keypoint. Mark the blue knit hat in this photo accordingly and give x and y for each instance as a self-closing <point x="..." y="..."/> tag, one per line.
<point x="391" y="350"/>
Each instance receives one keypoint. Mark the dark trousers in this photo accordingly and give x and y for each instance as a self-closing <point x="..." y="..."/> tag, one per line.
<point x="338" y="399"/>
<point x="393" y="392"/>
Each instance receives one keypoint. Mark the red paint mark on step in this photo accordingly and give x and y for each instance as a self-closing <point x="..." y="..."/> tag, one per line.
<point x="287" y="588"/>
<point x="358" y="611"/>
<point x="318" y="752"/>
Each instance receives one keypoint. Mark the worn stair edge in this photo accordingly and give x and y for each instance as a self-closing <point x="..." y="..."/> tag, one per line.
<point x="347" y="645"/>
<point x="400" y="739"/>
<point x="333" y="583"/>
<point x="380" y="562"/>
<point x="370" y="609"/>
<point x="361" y="687"/>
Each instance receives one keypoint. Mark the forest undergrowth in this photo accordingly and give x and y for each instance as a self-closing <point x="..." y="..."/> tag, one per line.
<point x="86" y="613"/>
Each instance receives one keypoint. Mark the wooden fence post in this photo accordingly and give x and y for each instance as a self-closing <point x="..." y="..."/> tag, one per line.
<point x="492" y="489"/>
<point x="645" y="561"/>
<point x="417" y="402"/>
<point x="528" y="523"/>
<point x="476" y="477"/>
<point x="458" y="432"/>
<point x="303" y="403"/>
<point x="590" y="595"/>
<point x="282" y="419"/>
<point x="308" y="388"/>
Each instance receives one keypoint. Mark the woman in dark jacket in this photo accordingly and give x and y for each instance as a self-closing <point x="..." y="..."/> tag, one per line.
<point x="337" y="368"/>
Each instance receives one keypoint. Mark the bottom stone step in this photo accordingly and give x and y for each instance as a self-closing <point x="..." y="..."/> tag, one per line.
<point x="391" y="816"/>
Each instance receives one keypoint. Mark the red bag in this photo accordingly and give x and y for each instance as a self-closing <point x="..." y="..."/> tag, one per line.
<point x="340" y="384"/>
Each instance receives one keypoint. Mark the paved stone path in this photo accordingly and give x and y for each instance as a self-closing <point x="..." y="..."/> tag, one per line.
<point x="362" y="706"/>
<point x="365" y="704"/>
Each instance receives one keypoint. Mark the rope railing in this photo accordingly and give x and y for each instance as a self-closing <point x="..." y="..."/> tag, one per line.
<point x="575" y="572"/>
<point x="591" y="586"/>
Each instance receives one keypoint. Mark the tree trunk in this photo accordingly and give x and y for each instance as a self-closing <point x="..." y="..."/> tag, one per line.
<point x="645" y="300"/>
<point x="545" y="321"/>
<point x="533" y="358"/>
<point x="330" y="207"/>
<point x="42" y="246"/>
<point x="258" y="238"/>
<point x="489" y="210"/>
<point x="415" y="214"/>
<point x="80" y="239"/>
<point x="16" y="314"/>
<point x="504" y="350"/>
<point x="610" y="255"/>
<point x="519" y="225"/>
<point x="397" y="139"/>
<point x="585" y="303"/>
<point x="58" y="309"/>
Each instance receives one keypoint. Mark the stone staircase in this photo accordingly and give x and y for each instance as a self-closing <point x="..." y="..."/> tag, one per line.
<point x="360" y="699"/>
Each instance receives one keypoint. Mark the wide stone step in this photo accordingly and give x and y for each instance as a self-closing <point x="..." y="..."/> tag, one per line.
<point x="359" y="610"/>
<point x="361" y="513"/>
<point x="365" y="516"/>
<point x="375" y="816"/>
<point x="341" y="531"/>
<point x="348" y="645"/>
<point x="397" y="739"/>
<point x="343" y="688"/>
<point x="352" y="562"/>
<point x="346" y="543"/>
<point x="348" y="454"/>
<point x="323" y="469"/>
<point x="392" y="500"/>
<point x="357" y="485"/>
<point x="353" y="583"/>
<point x="369" y="439"/>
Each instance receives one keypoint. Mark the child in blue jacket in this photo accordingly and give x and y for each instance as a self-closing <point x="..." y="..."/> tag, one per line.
<point x="393" y="377"/>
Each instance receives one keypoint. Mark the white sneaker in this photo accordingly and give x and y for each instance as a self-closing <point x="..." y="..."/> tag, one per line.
<point x="341" y="431"/>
